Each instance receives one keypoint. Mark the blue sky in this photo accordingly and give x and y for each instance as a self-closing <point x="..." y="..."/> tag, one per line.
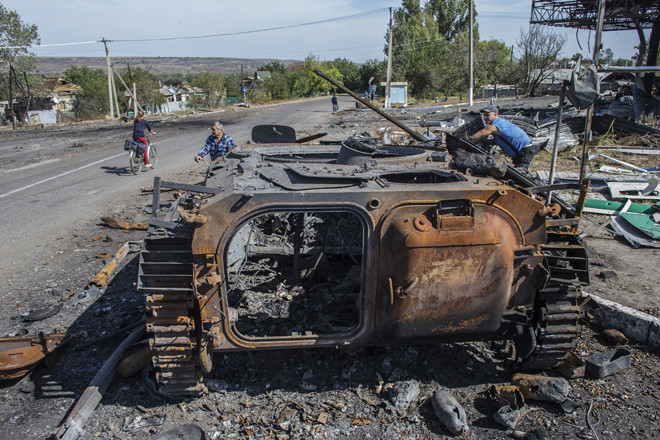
<point x="357" y="39"/>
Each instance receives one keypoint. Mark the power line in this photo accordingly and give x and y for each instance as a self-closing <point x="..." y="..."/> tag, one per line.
<point x="329" y="20"/>
<point x="346" y="17"/>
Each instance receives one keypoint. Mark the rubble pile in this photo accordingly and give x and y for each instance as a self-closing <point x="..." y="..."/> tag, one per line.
<point x="269" y="299"/>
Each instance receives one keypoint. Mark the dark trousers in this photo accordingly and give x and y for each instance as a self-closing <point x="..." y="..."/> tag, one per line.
<point x="526" y="155"/>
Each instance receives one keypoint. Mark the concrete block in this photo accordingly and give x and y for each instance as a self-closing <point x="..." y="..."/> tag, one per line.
<point x="637" y="326"/>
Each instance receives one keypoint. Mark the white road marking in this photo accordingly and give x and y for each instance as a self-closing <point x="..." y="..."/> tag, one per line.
<point x="60" y="175"/>
<point x="34" y="165"/>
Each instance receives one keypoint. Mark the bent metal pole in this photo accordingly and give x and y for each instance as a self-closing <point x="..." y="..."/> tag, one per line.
<point x="414" y="134"/>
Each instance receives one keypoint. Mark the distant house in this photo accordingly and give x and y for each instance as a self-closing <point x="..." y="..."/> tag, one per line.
<point x="60" y="95"/>
<point x="178" y="91"/>
<point x="53" y="96"/>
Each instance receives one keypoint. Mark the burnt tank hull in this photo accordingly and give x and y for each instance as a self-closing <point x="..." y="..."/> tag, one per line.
<point x="277" y="253"/>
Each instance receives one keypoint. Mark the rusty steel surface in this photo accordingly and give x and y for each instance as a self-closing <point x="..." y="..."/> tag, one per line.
<point x="19" y="355"/>
<point x="435" y="255"/>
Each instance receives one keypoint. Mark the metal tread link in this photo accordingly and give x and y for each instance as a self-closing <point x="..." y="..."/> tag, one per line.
<point x="560" y="313"/>
<point x="166" y="276"/>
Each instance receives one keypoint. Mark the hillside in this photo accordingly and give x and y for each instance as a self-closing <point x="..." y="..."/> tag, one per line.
<point x="53" y="66"/>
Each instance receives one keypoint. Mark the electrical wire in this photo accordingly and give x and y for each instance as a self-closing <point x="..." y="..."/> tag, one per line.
<point x="329" y="20"/>
<point x="47" y="45"/>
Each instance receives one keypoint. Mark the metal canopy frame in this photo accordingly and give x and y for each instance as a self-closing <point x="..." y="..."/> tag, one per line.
<point x="583" y="14"/>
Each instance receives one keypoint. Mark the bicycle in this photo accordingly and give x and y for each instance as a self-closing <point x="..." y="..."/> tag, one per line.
<point x="136" y="159"/>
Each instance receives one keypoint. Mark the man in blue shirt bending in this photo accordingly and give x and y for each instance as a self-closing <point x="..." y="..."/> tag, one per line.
<point x="218" y="144"/>
<point x="511" y="139"/>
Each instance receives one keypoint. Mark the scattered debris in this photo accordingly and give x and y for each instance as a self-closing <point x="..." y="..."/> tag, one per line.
<point x="608" y="363"/>
<point x="140" y="421"/>
<point x="403" y="394"/>
<point x="42" y="313"/>
<point x="75" y="422"/>
<point x="512" y="404"/>
<point x="607" y="274"/>
<point x="120" y="224"/>
<point x="573" y="367"/>
<point x="102" y="278"/>
<point x="450" y="412"/>
<point x="615" y="336"/>
<point x="186" y="432"/>
<point x="533" y="387"/>
<point x="20" y="354"/>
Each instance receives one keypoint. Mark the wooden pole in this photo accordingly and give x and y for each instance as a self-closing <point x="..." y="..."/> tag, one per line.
<point x="388" y="100"/>
<point x="114" y="90"/>
<point x="471" y="60"/>
<point x="129" y="91"/>
<point x="134" y="101"/>
<point x="107" y="60"/>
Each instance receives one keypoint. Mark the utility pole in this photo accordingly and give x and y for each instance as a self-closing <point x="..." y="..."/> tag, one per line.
<point x="107" y="60"/>
<point x="114" y="92"/>
<point x="134" y="102"/>
<point x="388" y="99"/>
<point x="471" y="74"/>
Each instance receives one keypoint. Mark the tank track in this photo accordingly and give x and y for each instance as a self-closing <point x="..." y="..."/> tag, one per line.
<point x="559" y="310"/>
<point x="166" y="276"/>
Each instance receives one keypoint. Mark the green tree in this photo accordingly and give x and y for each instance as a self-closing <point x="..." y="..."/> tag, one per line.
<point x="370" y="68"/>
<point x="493" y="58"/>
<point x="304" y="82"/>
<point x="350" y="72"/>
<point x="15" y="59"/>
<point x="277" y="86"/>
<point x="418" y="49"/>
<point x="213" y="86"/>
<point x="146" y="84"/>
<point x="452" y="17"/>
<point x="273" y="66"/>
<point x="93" y="100"/>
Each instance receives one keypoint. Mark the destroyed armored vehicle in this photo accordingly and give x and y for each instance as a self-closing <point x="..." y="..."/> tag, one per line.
<point x="308" y="246"/>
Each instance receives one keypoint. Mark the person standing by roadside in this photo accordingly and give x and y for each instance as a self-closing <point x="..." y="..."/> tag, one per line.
<point x="138" y="133"/>
<point x="218" y="144"/>
<point x="335" y="104"/>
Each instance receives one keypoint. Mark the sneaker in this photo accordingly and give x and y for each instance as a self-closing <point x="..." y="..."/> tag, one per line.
<point x="148" y="166"/>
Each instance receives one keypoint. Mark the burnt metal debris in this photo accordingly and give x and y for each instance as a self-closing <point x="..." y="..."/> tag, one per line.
<point x="298" y="251"/>
<point x="20" y="354"/>
<point x="303" y="247"/>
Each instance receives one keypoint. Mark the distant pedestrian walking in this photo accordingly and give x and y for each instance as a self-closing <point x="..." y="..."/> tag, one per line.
<point x="335" y="104"/>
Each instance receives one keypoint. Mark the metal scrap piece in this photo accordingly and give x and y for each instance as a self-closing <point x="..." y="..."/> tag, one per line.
<point x="19" y="355"/>
<point x="533" y="387"/>
<point x="43" y="313"/>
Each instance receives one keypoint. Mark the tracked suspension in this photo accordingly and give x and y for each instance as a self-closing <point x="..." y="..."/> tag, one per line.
<point x="166" y="275"/>
<point x="559" y="312"/>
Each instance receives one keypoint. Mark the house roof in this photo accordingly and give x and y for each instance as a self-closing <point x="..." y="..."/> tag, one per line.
<point x="59" y="85"/>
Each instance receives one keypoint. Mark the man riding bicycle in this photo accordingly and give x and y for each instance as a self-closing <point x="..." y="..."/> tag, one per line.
<point x="138" y="134"/>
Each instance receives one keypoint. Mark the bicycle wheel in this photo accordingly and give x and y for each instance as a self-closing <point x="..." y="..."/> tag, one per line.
<point x="153" y="156"/>
<point x="136" y="162"/>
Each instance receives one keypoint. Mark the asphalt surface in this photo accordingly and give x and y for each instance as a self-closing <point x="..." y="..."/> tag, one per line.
<point x="41" y="198"/>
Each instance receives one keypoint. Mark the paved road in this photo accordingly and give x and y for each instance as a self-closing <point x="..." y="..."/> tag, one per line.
<point x="40" y="200"/>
